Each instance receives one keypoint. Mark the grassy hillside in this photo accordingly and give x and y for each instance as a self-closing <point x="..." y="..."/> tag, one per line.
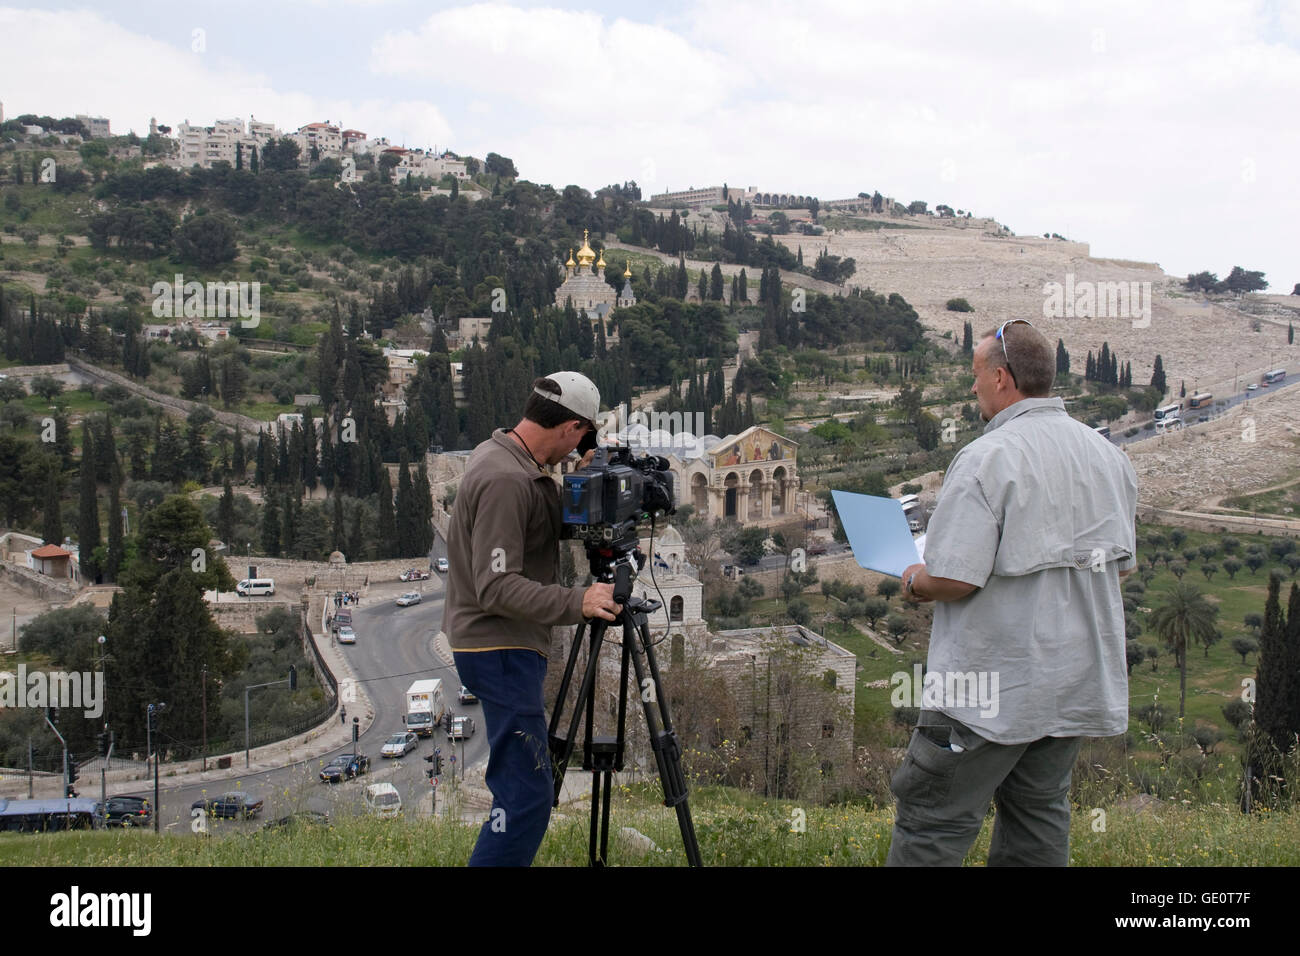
<point x="734" y="829"/>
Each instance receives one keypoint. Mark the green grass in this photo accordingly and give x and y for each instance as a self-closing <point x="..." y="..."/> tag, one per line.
<point x="733" y="829"/>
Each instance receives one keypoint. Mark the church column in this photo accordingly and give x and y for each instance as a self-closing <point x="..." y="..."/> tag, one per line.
<point x="742" y="503"/>
<point x="767" y="498"/>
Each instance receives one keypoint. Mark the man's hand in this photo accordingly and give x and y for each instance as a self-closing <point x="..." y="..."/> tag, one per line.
<point x="598" y="601"/>
<point x="912" y="574"/>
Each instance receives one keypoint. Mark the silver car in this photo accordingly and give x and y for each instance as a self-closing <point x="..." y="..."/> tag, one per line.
<point x="409" y="598"/>
<point x="399" y="745"/>
<point x="347" y="635"/>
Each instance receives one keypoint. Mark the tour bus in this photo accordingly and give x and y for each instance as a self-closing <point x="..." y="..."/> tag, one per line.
<point x="39" y="816"/>
<point x="1274" y="376"/>
<point x="1168" y="411"/>
<point x="1200" y="400"/>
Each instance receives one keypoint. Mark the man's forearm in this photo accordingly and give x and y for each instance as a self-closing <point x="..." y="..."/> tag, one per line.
<point x="929" y="588"/>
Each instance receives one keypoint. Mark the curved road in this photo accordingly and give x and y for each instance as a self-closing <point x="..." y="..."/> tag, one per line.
<point x="394" y="647"/>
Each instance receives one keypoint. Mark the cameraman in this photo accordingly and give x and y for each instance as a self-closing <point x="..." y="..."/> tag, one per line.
<point x="502" y="599"/>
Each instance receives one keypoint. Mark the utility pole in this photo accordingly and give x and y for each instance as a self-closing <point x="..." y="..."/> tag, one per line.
<point x="204" y="678"/>
<point x="291" y="680"/>
<point x="150" y="728"/>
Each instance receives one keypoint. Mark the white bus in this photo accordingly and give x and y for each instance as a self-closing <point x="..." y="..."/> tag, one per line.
<point x="1274" y="376"/>
<point x="1168" y="411"/>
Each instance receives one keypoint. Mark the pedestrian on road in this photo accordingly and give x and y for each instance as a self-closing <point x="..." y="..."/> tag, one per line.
<point x="1024" y="554"/>
<point x="343" y="714"/>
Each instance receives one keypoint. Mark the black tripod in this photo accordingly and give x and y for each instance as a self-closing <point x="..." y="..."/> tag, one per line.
<point x="603" y="756"/>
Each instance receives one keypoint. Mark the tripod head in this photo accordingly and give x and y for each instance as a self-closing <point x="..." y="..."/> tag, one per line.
<point x="617" y="559"/>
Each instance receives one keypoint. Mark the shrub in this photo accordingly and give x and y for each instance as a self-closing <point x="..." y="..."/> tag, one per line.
<point x="959" y="305"/>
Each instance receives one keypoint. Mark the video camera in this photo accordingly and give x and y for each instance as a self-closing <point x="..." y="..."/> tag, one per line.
<point x="605" y="500"/>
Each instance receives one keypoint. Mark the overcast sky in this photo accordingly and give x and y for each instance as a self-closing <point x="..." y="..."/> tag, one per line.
<point x="1164" y="132"/>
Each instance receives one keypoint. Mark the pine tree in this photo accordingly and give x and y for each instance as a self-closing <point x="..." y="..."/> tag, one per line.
<point x="88" y="510"/>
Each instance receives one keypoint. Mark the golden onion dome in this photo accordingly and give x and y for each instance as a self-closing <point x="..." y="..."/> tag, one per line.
<point x="627" y="272"/>
<point x="585" y="255"/>
<point x="600" y="263"/>
<point x="570" y="263"/>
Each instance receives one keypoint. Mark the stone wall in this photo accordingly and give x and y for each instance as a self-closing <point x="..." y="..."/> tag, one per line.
<point x="176" y="407"/>
<point x="54" y="590"/>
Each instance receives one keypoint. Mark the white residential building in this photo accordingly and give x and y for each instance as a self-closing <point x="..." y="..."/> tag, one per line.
<point x="205" y="145"/>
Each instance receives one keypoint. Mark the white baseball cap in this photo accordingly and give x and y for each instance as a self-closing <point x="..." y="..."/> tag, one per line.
<point x="577" y="393"/>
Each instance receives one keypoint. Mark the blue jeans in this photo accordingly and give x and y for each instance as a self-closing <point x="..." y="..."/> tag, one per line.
<point x="509" y="685"/>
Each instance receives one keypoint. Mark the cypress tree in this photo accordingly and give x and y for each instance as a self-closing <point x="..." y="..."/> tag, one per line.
<point x="407" y="544"/>
<point x="327" y="463"/>
<point x="52" y="529"/>
<point x="226" y="516"/>
<point x="1062" y="357"/>
<point x="114" y="558"/>
<point x="1293" y="659"/>
<point x="387" y="522"/>
<point x="356" y="543"/>
<point x="1272" y="705"/>
<point x="309" y="449"/>
<point x="88" y="510"/>
<point x="271" y="525"/>
<point x="424" y="506"/>
<point x="1158" y="375"/>
<point x="337" y="530"/>
<point x="239" y="461"/>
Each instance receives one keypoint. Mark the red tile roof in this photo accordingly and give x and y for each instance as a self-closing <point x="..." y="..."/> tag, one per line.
<point x="51" y="551"/>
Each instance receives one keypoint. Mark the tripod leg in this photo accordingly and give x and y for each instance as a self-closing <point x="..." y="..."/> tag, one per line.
<point x="667" y="750"/>
<point x="562" y="747"/>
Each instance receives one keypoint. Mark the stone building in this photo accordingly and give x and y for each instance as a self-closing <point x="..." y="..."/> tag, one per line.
<point x="585" y="288"/>
<point x="751" y="477"/>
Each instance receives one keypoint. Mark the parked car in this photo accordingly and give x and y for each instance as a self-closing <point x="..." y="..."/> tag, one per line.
<point x="399" y="745"/>
<point x="347" y="635"/>
<point x="412" y="574"/>
<point x="128" y="812"/>
<point x="299" y="818"/>
<point x="409" y="598"/>
<point x="465" y="697"/>
<point x="383" y="800"/>
<point x="442" y="565"/>
<point x="462" y="728"/>
<point x="234" y="804"/>
<point x="345" y="767"/>
<point x="1252" y="387"/>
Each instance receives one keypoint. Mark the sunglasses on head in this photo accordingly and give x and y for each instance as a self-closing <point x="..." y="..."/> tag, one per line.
<point x="1002" y="338"/>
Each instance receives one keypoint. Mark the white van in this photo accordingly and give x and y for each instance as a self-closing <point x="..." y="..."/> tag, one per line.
<point x="252" y="586"/>
<point x="383" y="800"/>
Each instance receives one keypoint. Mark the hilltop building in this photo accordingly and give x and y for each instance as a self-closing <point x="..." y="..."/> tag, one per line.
<point x="585" y="288"/>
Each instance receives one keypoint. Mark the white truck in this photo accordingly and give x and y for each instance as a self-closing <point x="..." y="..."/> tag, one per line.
<point x="424" y="706"/>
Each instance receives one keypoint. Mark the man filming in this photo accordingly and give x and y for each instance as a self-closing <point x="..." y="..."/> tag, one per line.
<point x="502" y="600"/>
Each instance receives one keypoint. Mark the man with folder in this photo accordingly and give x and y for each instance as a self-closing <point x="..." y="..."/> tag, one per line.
<point x="1033" y="530"/>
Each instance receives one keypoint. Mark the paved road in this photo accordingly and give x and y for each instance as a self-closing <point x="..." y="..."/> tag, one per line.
<point x="394" y="647"/>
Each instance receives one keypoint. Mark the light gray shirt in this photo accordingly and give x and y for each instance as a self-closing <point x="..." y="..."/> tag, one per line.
<point x="1038" y="513"/>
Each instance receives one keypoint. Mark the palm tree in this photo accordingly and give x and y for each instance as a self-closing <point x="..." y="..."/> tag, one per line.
<point x="1184" y="617"/>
